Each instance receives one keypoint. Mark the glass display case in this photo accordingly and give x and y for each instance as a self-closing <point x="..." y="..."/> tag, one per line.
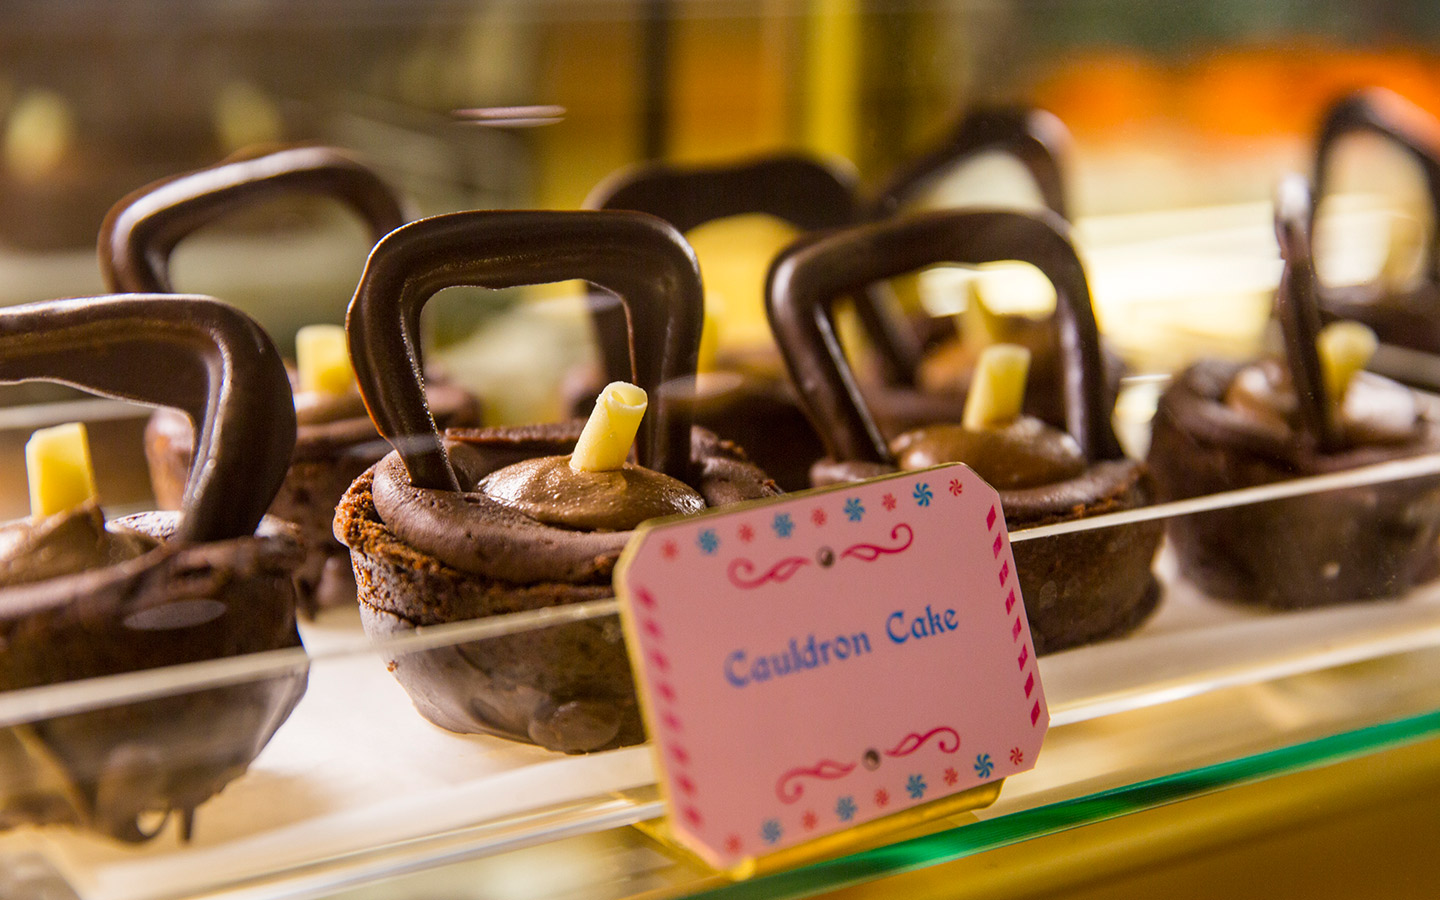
<point x="1180" y="124"/>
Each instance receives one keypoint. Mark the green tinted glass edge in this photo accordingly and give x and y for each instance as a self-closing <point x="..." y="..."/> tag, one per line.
<point x="968" y="840"/>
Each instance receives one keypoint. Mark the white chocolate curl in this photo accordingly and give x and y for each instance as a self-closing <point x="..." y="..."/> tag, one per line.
<point x="323" y="359"/>
<point x="605" y="443"/>
<point x="998" y="389"/>
<point x="1345" y="348"/>
<point x="57" y="461"/>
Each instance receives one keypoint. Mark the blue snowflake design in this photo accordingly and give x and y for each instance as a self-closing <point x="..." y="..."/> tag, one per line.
<point x="783" y="525"/>
<point x="845" y="808"/>
<point x="923" y="494"/>
<point x="771" y="831"/>
<point x="708" y="540"/>
<point x="915" y="785"/>
<point x="984" y="765"/>
<point x="854" y="509"/>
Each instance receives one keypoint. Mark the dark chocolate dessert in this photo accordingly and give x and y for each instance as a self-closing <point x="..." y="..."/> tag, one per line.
<point x="335" y="440"/>
<point x="1407" y="315"/>
<point x="1223" y="426"/>
<point x="80" y="598"/>
<point x="747" y="399"/>
<point x="923" y="364"/>
<point x="1079" y="587"/>
<point x="446" y="529"/>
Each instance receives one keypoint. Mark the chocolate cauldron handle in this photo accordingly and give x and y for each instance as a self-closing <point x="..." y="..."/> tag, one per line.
<point x="807" y="279"/>
<point x="142" y="230"/>
<point x="641" y="258"/>
<point x="1034" y="137"/>
<point x="1387" y="114"/>
<point x="1298" y="308"/>
<point x="801" y="191"/>
<point x="193" y="353"/>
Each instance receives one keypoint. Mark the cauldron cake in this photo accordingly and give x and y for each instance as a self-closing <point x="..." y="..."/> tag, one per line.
<point x="1223" y="426"/>
<point x="924" y="364"/>
<point x="1407" y="315"/>
<point x="82" y="598"/>
<point x="1079" y="587"/>
<point x="335" y="440"/>
<point x="434" y="538"/>
<point x="747" y="398"/>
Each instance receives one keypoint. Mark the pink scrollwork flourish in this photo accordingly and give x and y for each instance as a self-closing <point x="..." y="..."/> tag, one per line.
<point x="949" y="742"/>
<point x="872" y="552"/>
<point x="740" y="570"/>
<point x="789" y="789"/>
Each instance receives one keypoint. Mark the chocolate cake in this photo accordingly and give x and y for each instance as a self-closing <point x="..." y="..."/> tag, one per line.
<point x="1078" y="587"/>
<point x="924" y="367"/>
<point x="747" y="399"/>
<point x="335" y="440"/>
<point x="1404" y="315"/>
<point x="1223" y="426"/>
<point x="434" y="540"/>
<point x="80" y="598"/>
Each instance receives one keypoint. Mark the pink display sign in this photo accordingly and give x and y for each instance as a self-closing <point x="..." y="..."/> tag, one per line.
<point x="829" y="658"/>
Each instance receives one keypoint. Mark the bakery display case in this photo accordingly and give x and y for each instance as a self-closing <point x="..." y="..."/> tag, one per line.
<point x="1273" y="727"/>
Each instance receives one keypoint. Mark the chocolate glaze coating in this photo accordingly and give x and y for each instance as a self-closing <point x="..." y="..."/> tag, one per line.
<point x="215" y="586"/>
<point x="752" y="405"/>
<point x="1411" y="317"/>
<point x="1084" y="586"/>
<point x="1360" y="543"/>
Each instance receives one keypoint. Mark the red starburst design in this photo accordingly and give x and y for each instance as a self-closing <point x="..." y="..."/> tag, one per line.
<point x="747" y="534"/>
<point x="956" y="487"/>
<point x="669" y="549"/>
<point x="818" y="516"/>
<point x="1017" y="756"/>
<point x="882" y="797"/>
<point x="889" y="501"/>
<point x="951" y="776"/>
<point x="808" y="820"/>
<point x="732" y="843"/>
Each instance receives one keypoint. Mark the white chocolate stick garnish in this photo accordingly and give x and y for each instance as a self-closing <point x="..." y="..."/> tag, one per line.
<point x="605" y="442"/>
<point x="1344" y="348"/>
<point x="997" y="390"/>
<point x="57" y="461"/>
<point x="323" y="359"/>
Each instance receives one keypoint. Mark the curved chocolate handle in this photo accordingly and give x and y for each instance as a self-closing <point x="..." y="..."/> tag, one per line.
<point x="1035" y="137"/>
<point x="801" y="191"/>
<point x="1298" y="308"/>
<point x="142" y="230"/>
<point x="641" y="258"/>
<point x="807" y="279"/>
<point x="190" y="352"/>
<point x="1387" y="114"/>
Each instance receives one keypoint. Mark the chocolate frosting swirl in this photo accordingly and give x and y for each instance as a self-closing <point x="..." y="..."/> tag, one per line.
<point x="142" y="230"/>
<point x="547" y="490"/>
<point x="65" y="543"/>
<point x="1022" y="453"/>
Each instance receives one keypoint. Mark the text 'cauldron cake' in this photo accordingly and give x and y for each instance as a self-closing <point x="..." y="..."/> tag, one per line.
<point x="335" y="439"/>
<point x="1078" y="587"/>
<point x="430" y="543"/>
<point x="212" y="580"/>
<point x="1223" y="426"/>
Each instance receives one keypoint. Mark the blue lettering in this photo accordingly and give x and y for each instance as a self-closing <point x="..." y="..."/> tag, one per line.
<point x="734" y="660"/>
<point x="896" y="616"/>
